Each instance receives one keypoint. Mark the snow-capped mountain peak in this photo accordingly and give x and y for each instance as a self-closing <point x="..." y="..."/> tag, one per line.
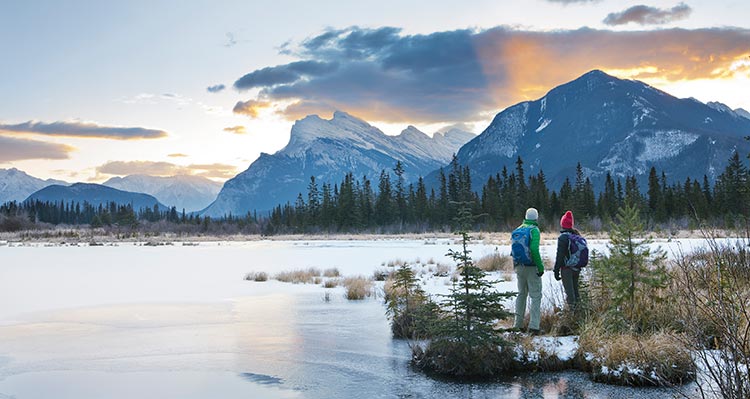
<point x="608" y="125"/>
<point x="16" y="185"/>
<point x="191" y="193"/>
<point x="328" y="149"/>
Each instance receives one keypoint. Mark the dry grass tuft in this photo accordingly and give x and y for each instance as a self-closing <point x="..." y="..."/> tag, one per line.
<point x="331" y="272"/>
<point x="660" y="359"/>
<point x="358" y="288"/>
<point x="331" y="283"/>
<point x="495" y="262"/>
<point x="301" y="276"/>
<point x="257" y="276"/>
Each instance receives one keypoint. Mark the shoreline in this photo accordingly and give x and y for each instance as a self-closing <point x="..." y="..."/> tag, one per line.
<point x="76" y="235"/>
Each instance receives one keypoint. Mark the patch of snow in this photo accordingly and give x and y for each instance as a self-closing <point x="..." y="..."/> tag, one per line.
<point x="564" y="348"/>
<point x="544" y="124"/>
<point x="645" y="146"/>
<point x="708" y="120"/>
<point x="537" y="145"/>
<point x="642" y="111"/>
<point x="544" y="105"/>
<point x="665" y="144"/>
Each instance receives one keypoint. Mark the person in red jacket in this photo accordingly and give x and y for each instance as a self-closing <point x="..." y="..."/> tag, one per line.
<point x="568" y="275"/>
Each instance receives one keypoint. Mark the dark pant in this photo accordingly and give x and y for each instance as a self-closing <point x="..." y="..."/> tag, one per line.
<point x="570" y="283"/>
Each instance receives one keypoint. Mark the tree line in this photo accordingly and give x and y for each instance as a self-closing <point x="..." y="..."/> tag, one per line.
<point x="391" y="205"/>
<point x="354" y="205"/>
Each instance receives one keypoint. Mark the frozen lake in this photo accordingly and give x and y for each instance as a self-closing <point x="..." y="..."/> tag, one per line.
<point x="179" y="321"/>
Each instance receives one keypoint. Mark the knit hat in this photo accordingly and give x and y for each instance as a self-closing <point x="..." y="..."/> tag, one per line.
<point x="532" y="214"/>
<point x="566" y="222"/>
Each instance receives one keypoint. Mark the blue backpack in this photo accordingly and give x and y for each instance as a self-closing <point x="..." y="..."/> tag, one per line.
<point x="520" y="246"/>
<point x="579" y="252"/>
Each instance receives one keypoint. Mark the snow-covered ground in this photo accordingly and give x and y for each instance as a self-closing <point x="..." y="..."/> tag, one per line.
<point x="129" y="320"/>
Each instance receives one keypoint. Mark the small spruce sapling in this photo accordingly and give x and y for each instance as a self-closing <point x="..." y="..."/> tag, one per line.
<point x="465" y="341"/>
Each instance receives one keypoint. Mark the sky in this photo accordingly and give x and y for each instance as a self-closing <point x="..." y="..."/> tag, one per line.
<point x="90" y="90"/>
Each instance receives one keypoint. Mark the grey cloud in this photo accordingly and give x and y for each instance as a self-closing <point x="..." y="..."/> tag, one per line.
<point x="462" y="75"/>
<point x="81" y="129"/>
<point x="645" y="15"/>
<point x="282" y="74"/>
<point x="215" y="88"/>
<point x="15" y="149"/>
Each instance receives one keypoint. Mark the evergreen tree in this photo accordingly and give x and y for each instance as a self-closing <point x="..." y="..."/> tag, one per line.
<point x="398" y="170"/>
<point x="465" y="342"/>
<point x="313" y="202"/>
<point x="384" y="213"/>
<point x="633" y="273"/>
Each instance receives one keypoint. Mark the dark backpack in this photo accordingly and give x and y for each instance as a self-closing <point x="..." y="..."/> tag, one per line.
<point x="579" y="252"/>
<point x="520" y="245"/>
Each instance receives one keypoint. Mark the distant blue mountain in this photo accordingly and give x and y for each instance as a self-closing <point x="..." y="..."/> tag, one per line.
<point x="623" y="127"/>
<point x="95" y="194"/>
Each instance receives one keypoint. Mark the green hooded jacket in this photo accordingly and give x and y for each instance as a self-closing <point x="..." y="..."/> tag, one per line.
<point x="534" y="244"/>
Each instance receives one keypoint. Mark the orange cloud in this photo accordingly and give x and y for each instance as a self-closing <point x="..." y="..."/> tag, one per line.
<point x="250" y="107"/>
<point x="462" y="75"/>
<point x="236" y="129"/>
<point x="528" y="64"/>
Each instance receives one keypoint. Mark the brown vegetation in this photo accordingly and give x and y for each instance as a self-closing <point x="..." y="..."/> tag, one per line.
<point x="300" y="276"/>
<point x="257" y="276"/>
<point x="358" y="288"/>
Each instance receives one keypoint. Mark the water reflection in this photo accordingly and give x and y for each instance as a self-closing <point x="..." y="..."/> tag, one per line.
<point x="278" y="346"/>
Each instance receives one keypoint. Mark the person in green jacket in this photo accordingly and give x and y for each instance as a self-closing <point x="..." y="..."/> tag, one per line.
<point x="529" y="277"/>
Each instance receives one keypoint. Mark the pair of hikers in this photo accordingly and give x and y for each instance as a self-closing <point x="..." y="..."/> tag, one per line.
<point x="572" y="254"/>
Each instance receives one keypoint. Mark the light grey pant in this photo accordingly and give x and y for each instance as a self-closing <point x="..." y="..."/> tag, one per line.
<point x="529" y="284"/>
<point x="570" y="283"/>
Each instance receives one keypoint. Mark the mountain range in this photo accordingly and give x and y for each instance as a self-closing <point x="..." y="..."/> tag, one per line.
<point x="608" y="125"/>
<point x="95" y="194"/>
<point x="328" y="149"/>
<point x="623" y="127"/>
<point x="16" y="185"/>
<point x="191" y="193"/>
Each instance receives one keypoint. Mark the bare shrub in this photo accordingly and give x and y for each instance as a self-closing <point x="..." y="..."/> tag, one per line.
<point x="714" y="287"/>
<point x="257" y="276"/>
<point x="495" y="262"/>
<point x="381" y="274"/>
<point x="300" y="276"/>
<point x="331" y="272"/>
<point x="331" y="283"/>
<point x="358" y="288"/>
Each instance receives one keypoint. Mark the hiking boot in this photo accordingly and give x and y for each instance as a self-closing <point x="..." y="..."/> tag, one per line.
<point x="533" y="331"/>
